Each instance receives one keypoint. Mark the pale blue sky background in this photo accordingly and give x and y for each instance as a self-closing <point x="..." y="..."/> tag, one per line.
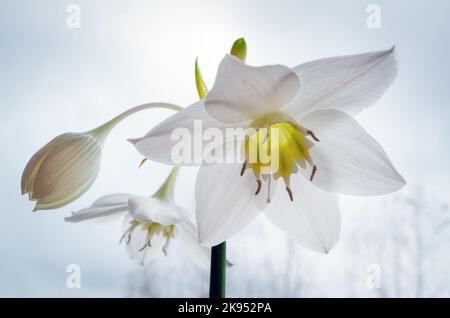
<point x="54" y="79"/>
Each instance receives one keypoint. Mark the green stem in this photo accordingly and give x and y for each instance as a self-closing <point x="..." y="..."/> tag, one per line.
<point x="165" y="191"/>
<point x="217" y="280"/>
<point x="102" y="131"/>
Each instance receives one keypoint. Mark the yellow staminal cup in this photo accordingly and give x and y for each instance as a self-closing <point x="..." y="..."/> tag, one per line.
<point x="152" y="228"/>
<point x="274" y="147"/>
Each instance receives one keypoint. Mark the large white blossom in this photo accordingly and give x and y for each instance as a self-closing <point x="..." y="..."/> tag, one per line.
<point x="323" y="151"/>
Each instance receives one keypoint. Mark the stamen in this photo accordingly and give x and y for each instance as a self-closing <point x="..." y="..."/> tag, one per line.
<point x="147" y="240"/>
<point x="258" y="189"/>
<point x="289" y="191"/>
<point x="314" y="169"/>
<point x="124" y="235"/>
<point x="143" y="247"/>
<point x="142" y="162"/>
<point x="244" y="166"/>
<point x="128" y="232"/>
<point x="168" y="233"/>
<point x="311" y="133"/>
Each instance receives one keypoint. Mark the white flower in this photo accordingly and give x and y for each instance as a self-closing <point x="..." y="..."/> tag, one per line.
<point x="66" y="167"/>
<point x="322" y="150"/>
<point x="150" y="224"/>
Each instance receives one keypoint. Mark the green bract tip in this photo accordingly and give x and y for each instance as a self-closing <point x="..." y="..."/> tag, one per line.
<point x="199" y="82"/>
<point x="239" y="49"/>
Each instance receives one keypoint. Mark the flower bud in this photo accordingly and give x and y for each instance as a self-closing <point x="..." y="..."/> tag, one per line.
<point x="62" y="170"/>
<point x="239" y="49"/>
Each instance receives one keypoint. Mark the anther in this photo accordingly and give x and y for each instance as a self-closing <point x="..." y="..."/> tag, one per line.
<point x="128" y="233"/>
<point x="148" y="244"/>
<point x="166" y="245"/>
<point x="142" y="162"/>
<point x="244" y="166"/>
<point x="258" y="189"/>
<point x="124" y="235"/>
<point x="314" y="169"/>
<point x="310" y="133"/>
<point x="289" y="191"/>
<point x="143" y="248"/>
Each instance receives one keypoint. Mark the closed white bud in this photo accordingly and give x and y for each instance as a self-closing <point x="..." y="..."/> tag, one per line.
<point x="62" y="170"/>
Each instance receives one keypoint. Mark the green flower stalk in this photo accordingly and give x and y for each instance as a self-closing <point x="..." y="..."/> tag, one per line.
<point x="217" y="281"/>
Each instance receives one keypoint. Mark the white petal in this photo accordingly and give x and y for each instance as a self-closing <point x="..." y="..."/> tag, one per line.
<point x="313" y="218"/>
<point x="242" y="93"/>
<point x="225" y="202"/>
<point x="187" y="242"/>
<point x="145" y="210"/>
<point x="348" y="159"/>
<point x="188" y="125"/>
<point x="102" y="207"/>
<point x="112" y="199"/>
<point x="348" y="83"/>
<point x="138" y="240"/>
